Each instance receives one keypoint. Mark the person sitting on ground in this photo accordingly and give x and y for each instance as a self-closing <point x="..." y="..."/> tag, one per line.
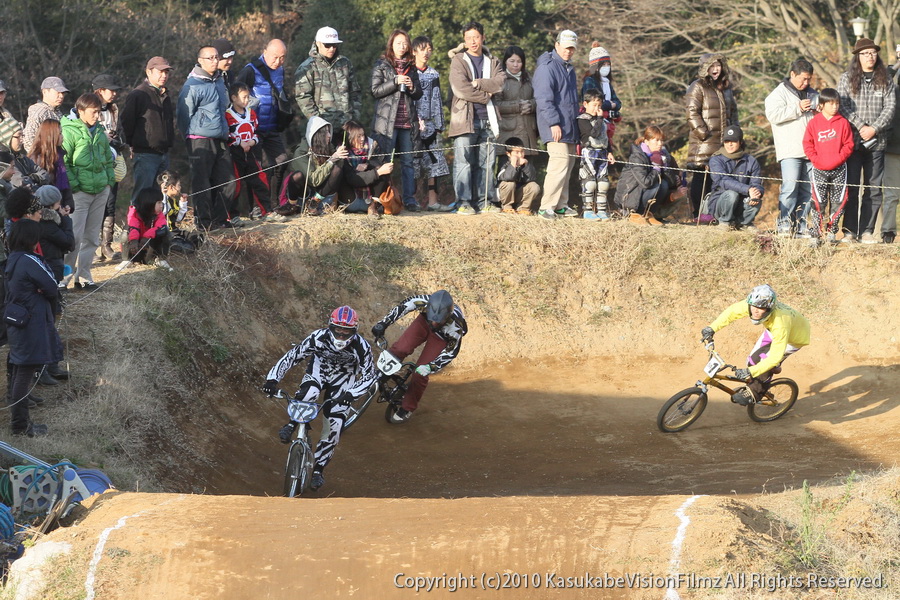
<point x="319" y="165"/>
<point x="596" y="156"/>
<point x="175" y="206"/>
<point x="148" y="232"/>
<point x="242" y="126"/>
<point x="339" y="363"/>
<point x="828" y="144"/>
<point x="518" y="187"/>
<point x="31" y="293"/>
<point x="785" y="332"/>
<point x="651" y="184"/>
<point x="365" y="177"/>
<point x="440" y="325"/>
<point x="737" y="189"/>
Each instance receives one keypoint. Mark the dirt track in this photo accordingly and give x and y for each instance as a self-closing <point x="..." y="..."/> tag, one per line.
<point x="494" y="478"/>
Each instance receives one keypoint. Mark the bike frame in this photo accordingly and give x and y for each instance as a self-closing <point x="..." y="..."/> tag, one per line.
<point x="718" y="377"/>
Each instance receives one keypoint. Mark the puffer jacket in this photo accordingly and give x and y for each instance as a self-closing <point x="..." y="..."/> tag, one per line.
<point x="387" y="100"/>
<point x="266" y="105"/>
<point x="556" y="93"/>
<point x="464" y="94"/>
<point x="709" y="112"/>
<point x="31" y="285"/>
<point x="327" y="89"/>
<point x="201" y="105"/>
<point x="513" y="122"/>
<point x="641" y="176"/>
<point x="787" y="120"/>
<point x="89" y="159"/>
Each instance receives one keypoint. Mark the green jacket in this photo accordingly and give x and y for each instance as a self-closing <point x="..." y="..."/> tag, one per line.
<point x="89" y="159"/>
<point x="328" y="90"/>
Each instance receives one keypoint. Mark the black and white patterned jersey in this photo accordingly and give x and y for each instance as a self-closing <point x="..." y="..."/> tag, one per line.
<point x="327" y="363"/>
<point x="451" y="332"/>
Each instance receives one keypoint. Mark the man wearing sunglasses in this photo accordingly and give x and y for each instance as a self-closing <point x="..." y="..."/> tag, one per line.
<point x="339" y="363"/>
<point x="325" y="84"/>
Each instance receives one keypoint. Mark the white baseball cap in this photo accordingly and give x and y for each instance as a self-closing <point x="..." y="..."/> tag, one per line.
<point x="567" y="38"/>
<point x="328" y="35"/>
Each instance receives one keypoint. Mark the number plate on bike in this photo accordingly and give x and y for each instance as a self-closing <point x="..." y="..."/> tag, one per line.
<point x="714" y="365"/>
<point x="388" y="364"/>
<point x="302" y="412"/>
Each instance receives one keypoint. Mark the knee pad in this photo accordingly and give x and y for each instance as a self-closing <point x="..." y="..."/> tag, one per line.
<point x="588" y="187"/>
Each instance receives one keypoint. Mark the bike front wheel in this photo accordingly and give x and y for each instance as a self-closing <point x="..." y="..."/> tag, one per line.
<point x="681" y="410"/>
<point x="779" y="397"/>
<point x="298" y="470"/>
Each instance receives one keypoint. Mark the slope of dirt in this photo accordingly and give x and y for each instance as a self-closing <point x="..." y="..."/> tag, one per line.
<point x="538" y="451"/>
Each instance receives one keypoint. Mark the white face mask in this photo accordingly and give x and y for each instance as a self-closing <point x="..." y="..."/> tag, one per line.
<point x="604" y="71"/>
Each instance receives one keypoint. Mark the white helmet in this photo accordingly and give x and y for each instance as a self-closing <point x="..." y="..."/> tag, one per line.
<point x="762" y="296"/>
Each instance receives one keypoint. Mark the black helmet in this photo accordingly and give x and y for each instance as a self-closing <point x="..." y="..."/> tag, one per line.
<point x="440" y="306"/>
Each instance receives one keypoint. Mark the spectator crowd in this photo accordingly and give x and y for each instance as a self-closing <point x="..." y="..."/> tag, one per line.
<point x="838" y="150"/>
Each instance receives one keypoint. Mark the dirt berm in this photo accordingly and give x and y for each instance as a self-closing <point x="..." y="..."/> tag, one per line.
<point x="533" y="463"/>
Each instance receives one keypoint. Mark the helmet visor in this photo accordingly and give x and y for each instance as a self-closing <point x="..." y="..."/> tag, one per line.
<point x="342" y="333"/>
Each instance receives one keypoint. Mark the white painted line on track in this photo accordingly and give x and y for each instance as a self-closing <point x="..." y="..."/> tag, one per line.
<point x="675" y="561"/>
<point x="101" y="543"/>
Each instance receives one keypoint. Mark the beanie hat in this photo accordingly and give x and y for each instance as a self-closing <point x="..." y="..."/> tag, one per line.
<point x="597" y="54"/>
<point x="8" y="128"/>
<point x="48" y="195"/>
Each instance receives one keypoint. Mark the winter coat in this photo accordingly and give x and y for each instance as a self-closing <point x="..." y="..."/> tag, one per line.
<point x="741" y="174"/>
<point x="27" y="173"/>
<point x="787" y="120"/>
<point x="513" y="122"/>
<point x="267" y="105"/>
<point x="57" y="239"/>
<point x="31" y="285"/>
<point x="464" y="95"/>
<point x="37" y="114"/>
<point x="871" y="106"/>
<point x="556" y="94"/>
<point x="893" y="141"/>
<point x="315" y="174"/>
<point x="201" y="105"/>
<point x="636" y="178"/>
<point x="139" y="231"/>
<point x="387" y="100"/>
<point x="328" y="89"/>
<point x="593" y="82"/>
<point x="148" y="120"/>
<point x="520" y="175"/>
<point x="89" y="159"/>
<point x="709" y="112"/>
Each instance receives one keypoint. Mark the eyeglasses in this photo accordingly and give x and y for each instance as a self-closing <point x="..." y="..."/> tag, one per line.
<point x="870" y="54"/>
<point x="330" y="45"/>
<point x="213" y="57"/>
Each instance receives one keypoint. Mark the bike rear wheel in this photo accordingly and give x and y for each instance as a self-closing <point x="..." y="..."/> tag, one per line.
<point x="298" y="470"/>
<point x="359" y="407"/>
<point x="780" y="396"/>
<point x="681" y="410"/>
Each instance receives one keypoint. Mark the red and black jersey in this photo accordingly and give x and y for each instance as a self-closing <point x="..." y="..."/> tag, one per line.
<point x="241" y="127"/>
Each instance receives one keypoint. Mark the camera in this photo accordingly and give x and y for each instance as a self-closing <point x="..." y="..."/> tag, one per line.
<point x="813" y="98"/>
<point x="402" y="88"/>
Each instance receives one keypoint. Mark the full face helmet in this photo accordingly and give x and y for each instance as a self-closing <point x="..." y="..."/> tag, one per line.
<point x="343" y="325"/>
<point x="439" y="309"/>
<point x="762" y="296"/>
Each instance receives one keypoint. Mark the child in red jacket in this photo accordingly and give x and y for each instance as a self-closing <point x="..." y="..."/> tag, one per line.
<point x="148" y="233"/>
<point x="828" y="144"/>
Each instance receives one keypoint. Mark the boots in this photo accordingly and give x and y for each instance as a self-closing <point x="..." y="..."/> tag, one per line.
<point x="106" y="238"/>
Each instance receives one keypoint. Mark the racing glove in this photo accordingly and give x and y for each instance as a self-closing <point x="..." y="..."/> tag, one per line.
<point x="707" y="334"/>
<point x="271" y="386"/>
<point x="378" y="329"/>
<point x="423" y="370"/>
<point x="743" y="374"/>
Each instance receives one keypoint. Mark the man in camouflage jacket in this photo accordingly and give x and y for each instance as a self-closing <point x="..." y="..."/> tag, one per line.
<point x="325" y="83"/>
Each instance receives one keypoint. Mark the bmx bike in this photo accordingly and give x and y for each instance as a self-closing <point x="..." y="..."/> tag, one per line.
<point x="299" y="466"/>
<point x="685" y="407"/>
<point x="391" y="385"/>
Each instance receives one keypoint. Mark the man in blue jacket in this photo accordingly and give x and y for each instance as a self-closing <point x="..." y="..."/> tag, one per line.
<point x="201" y="119"/>
<point x="737" y="189"/>
<point x="556" y="95"/>
<point x="264" y="100"/>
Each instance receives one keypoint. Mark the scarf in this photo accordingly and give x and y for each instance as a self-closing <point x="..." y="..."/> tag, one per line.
<point x="657" y="162"/>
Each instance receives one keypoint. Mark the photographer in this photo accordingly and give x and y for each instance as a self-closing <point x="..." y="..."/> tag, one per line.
<point x="789" y="109"/>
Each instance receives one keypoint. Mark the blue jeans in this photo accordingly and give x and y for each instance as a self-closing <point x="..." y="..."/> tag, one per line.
<point x="793" y="200"/>
<point x="472" y="165"/>
<point x="731" y="207"/>
<point x="146" y="167"/>
<point x="403" y="143"/>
